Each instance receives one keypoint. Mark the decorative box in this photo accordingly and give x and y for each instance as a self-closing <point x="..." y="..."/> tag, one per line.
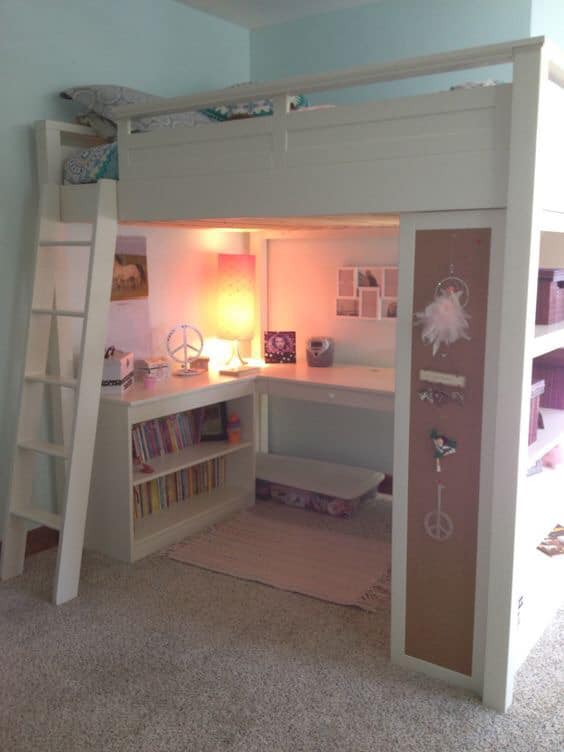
<point x="550" y="296"/>
<point x="550" y="368"/>
<point x="157" y="367"/>
<point x="537" y="389"/>
<point x="117" y="376"/>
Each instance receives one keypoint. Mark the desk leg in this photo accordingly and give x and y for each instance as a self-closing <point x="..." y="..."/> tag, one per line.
<point x="262" y="423"/>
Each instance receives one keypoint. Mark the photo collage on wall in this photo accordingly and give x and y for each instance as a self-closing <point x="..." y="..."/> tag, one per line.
<point x="367" y="292"/>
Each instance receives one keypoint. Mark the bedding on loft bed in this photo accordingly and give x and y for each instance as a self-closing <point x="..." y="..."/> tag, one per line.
<point x="100" y="101"/>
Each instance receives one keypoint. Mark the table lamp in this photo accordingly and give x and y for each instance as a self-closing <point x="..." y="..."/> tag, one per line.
<point x="236" y="307"/>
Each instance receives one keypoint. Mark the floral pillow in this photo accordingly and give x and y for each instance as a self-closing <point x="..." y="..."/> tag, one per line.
<point x="101" y="101"/>
<point x="256" y="108"/>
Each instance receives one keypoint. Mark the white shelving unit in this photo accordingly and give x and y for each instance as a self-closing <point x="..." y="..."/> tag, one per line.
<point x="539" y="578"/>
<point x="112" y="527"/>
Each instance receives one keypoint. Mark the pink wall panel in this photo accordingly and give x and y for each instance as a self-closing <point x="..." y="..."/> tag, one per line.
<point x="441" y="574"/>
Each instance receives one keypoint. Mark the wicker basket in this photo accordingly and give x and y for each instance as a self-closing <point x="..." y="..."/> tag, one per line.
<point x="550" y="368"/>
<point x="536" y="391"/>
<point x="550" y="296"/>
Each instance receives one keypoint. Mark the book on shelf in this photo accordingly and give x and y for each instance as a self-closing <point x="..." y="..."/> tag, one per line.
<point x="160" y="493"/>
<point x="155" y="438"/>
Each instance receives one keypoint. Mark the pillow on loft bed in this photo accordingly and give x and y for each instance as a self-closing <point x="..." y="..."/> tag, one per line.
<point x="91" y="165"/>
<point x="101" y="101"/>
<point x="257" y="108"/>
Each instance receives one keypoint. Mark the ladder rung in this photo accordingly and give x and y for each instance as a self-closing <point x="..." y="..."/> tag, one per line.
<point x="44" y="447"/>
<point x="59" y="312"/>
<point x="42" y="378"/>
<point x="40" y="516"/>
<point x="64" y="243"/>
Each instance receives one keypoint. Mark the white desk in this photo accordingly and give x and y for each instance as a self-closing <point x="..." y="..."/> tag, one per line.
<point x="353" y="386"/>
<point x="112" y="528"/>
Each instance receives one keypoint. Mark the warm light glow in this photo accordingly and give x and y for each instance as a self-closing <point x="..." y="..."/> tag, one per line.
<point x="236" y="296"/>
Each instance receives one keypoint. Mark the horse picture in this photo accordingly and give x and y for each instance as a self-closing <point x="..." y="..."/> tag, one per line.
<point x="130" y="278"/>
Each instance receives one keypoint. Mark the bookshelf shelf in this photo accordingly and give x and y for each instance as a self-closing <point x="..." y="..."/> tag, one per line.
<point x="548" y="337"/>
<point x="164" y="528"/>
<point x="193" y="455"/>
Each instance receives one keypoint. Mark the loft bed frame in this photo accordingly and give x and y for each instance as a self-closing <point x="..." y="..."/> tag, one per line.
<point x="483" y="157"/>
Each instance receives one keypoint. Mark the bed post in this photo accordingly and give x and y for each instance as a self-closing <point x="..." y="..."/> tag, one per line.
<point x="521" y="261"/>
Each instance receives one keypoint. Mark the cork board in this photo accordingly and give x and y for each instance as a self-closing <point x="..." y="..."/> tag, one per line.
<point x="441" y="574"/>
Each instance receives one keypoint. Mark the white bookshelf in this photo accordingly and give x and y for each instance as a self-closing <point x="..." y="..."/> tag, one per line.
<point x="112" y="527"/>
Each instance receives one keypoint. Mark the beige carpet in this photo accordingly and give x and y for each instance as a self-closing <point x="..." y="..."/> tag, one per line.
<point x="162" y="657"/>
<point x="278" y="546"/>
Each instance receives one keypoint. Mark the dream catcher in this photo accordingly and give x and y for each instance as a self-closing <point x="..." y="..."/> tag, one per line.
<point x="445" y="320"/>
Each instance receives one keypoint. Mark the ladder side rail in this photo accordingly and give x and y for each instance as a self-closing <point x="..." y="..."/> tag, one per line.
<point x="88" y="394"/>
<point x="31" y="396"/>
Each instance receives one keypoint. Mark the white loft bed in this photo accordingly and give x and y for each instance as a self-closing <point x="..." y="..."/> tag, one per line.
<point x="487" y="157"/>
<point x="372" y="157"/>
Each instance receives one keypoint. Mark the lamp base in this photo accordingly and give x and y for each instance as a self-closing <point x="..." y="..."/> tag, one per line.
<point x="236" y="366"/>
<point x="243" y="370"/>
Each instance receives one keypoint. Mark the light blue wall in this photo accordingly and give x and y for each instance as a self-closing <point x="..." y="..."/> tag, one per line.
<point x="162" y="47"/>
<point x="547" y="18"/>
<point x="389" y="30"/>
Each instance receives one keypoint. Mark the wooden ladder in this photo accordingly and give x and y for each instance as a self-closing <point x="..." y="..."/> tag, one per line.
<point x="46" y="374"/>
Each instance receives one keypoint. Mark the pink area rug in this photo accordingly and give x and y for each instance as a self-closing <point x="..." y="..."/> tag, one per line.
<point x="292" y="550"/>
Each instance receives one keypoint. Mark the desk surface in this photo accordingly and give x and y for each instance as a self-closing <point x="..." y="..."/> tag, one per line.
<point x="349" y="377"/>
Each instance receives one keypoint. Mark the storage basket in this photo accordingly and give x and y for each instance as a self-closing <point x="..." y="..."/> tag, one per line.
<point x="550" y="368"/>
<point x="550" y="296"/>
<point x="536" y="391"/>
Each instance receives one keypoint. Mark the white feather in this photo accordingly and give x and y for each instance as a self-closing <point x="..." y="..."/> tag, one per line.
<point x="444" y="321"/>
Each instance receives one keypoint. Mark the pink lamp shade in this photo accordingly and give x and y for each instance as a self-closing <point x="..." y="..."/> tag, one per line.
<point x="236" y="296"/>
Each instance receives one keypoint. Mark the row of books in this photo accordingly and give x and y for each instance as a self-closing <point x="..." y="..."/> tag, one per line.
<point x="153" y="438"/>
<point x="161" y="493"/>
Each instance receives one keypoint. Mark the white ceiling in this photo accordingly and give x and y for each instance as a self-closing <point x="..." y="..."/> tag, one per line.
<point x="255" y="13"/>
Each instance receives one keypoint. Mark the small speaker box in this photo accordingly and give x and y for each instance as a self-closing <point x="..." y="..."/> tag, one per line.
<point x="319" y="351"/>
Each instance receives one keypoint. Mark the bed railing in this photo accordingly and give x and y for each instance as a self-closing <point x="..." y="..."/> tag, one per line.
<point x="476" y="57"/>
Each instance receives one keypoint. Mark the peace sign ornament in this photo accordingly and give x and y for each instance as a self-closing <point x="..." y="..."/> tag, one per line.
<point x="437" y="523"/>
<point x="188" y="341"/>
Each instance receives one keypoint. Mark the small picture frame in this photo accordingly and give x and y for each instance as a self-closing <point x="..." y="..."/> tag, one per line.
<point x="389" y="308"/>
<point x="370" y="276"/>
<point x="214" y="422"/>
<point x="390" y="282"/>
<point x="130" y="277"/>
<point x="347" y="282"/>
<point x="280" y="347"/>
<point x="369" y="303"/>
<point x="347" y="308"/>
